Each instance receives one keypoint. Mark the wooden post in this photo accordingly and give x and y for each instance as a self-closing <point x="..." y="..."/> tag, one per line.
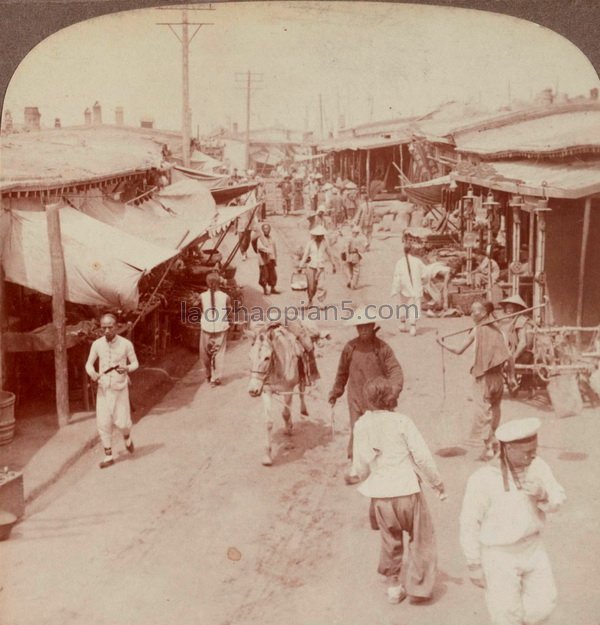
<point x="516" y="239"/>
<point x="368" y="173"/>
<point x="57" y="265"/>
<point x="3" y="375"/>
<point x="540" y="261"/>
<point x="585" y="233"/>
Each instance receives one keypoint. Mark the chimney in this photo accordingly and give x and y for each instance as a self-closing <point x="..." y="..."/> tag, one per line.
<point x="147" y="122"/>
<point x="87" y="115"/>
<point x="57" y="122"/>
<point x="594" y="93"/>
<point x="8" y="121"/>
<point x="32" y="118"/>
<point x="119" y="115"/>
<point x="235" y="128"/>
<point x="97" y="114"/>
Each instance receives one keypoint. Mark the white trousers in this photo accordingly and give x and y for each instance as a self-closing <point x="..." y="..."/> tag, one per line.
<point x="112" y="409"/>
<point x="411" y="309"/>
<point x="520" y="585"/>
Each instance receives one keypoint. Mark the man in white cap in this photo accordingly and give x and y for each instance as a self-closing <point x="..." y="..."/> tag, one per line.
<point x="408" y="286"/>
<point x="503" y="514"/>
<point x="363" y="358"/>
<point x="117" y="359"/>
<point x="316" y="252"/>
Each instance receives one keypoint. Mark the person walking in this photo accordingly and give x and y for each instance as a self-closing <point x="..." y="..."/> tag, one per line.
<point x="388" y="450"/>
<point x="336" y="209"/>
<point x="407" y="284"/>
<point x="315" y="254"/>
<point x="116" y="359"/>
<point x="312" y="190"/>
<point x="491" y="354"/>
<point x="267" y="260"/>
<point x="352" y="256"/>
<point x="363" y="358"/>
<point x="366" y="220"/>
<point x="214" y="324"/>
<point x="286" y="194"/>
<point x="501" y="522"/>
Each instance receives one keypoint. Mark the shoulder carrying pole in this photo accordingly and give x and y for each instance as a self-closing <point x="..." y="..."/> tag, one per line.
<point x="516" y="314"/>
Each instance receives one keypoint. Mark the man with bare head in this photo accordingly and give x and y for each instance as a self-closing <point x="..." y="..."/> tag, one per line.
<point x="117" y="359"/>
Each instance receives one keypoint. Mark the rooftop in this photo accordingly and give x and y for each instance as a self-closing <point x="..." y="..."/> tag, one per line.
<point x="68" y="156"/>
<point x="552" y="135"/>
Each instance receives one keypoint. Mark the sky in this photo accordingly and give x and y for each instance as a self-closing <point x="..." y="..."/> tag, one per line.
<point x="368" y="61"/>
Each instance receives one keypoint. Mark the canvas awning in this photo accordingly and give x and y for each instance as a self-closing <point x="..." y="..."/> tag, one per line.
<point x="103" y="264"/>
<point x="173" y="218"/>
<point x="427" y="193"/>
<point x="567" y="180"/>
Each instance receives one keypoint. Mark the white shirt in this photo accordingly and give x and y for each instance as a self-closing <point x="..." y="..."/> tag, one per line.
<point x="389" y="448"/>
<point x="318" y="254"/>
<point x="492" y="516"/>
<point x="214" y="319"/>
<point x="118" y="352"/>
<point x="402" y="282"/>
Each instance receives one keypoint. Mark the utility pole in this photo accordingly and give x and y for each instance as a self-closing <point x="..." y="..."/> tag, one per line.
<point x="370" y="107"/>
<point x="248" y="81"/>
<point x="185" y="39"/>
<point x="321" y="114"/>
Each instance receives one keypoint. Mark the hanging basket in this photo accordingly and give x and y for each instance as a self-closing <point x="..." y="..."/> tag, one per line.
<point x="299" y="281"/>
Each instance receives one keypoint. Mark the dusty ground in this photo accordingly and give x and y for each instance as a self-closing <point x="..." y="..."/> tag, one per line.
<point x="149" y="541"/>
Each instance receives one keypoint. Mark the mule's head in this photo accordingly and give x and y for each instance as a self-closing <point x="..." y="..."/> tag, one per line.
<point x="261" y="356"/>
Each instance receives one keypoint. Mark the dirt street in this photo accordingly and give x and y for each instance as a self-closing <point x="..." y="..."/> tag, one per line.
<point x="192" y="530"/>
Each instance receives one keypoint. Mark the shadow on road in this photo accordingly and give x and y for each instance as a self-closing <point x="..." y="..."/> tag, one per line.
<point x="307" y="435"/>
<point x="140" y="452"/>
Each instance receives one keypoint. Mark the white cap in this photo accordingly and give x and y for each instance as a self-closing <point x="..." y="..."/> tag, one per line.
<point x="518" y="430"/>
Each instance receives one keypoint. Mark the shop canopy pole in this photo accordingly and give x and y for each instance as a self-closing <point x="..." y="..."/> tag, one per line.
<point x="368" y="172"/>
<point x="57" y="266"/>
<point x="149" y="300"/>
<point x="2" y="329"/>
<point x="587" y="211"/>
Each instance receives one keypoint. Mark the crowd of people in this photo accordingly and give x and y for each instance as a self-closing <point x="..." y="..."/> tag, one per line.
<point x="505" y="501"/>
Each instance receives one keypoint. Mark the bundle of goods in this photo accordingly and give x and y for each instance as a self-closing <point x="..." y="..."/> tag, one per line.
<point x="428" y="240"/>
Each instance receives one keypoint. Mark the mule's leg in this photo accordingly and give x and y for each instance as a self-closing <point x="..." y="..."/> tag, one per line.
<point x="287" y="414"/>
<point x="267" y="458"/>
<point x="303" y="408"/>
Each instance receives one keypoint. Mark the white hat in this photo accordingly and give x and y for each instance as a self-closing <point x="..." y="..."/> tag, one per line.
<point x="318" y="231"/>
<point x="327" y="186"/>
<point x="363" y="315"/>
<point x="321" y="209"/>
<point x="514" y="299"/>
<point x="351" y="185"/>
<point x="518" y="430"/>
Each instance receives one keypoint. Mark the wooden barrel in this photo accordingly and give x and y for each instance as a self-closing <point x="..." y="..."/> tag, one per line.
<point x="7" y="417"/>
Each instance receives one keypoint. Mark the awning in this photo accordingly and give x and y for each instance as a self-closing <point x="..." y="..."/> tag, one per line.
<point x="372" y="142"/>
<point x="312" y="157"/>
<point x="550" y="179"/>
<point x="211" y="181"/>
<point x="427" y="193"/>
<point x="103" y="264"/>
<point x="176" y="216"/>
